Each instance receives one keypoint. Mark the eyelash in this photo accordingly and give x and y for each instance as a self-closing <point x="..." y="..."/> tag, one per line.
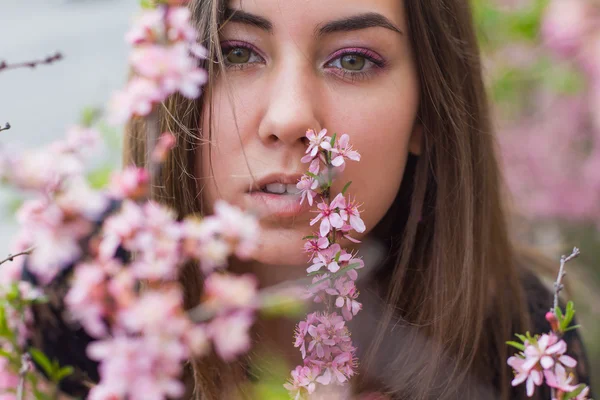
<point x="377" y="62"/>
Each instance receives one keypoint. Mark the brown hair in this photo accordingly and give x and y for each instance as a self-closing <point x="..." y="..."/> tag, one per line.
<point x="450" y="287"/>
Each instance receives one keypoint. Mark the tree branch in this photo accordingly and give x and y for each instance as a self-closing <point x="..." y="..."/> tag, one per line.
<point x="31" y="64"/>
<point x="558" y="286"/>
<point x="12" y="256"/>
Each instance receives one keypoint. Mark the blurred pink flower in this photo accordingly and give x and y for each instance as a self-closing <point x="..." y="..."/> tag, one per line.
<point x="224" y="292"/>
<point x="230" y="334"/>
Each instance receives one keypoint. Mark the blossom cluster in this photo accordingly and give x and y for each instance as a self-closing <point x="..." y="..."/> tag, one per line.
<point x="164" y="59"/>
<point x="323" y="337"/>
<point x="543" y="358"/>
<point x="118" y="253"/>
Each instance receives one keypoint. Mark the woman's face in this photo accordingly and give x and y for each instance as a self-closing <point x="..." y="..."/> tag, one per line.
<point x="293" y="65"/>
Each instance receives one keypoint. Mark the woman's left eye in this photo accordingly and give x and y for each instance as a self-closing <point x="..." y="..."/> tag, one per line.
<point x="354" y="62"/>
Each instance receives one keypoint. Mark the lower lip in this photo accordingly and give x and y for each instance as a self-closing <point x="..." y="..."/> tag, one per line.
<point x="279" y="205"/>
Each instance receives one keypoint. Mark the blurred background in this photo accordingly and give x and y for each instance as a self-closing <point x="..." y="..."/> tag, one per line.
<point x="542" y="66"/>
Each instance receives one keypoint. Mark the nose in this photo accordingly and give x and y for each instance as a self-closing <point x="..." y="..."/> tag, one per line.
<point x="291" y="106"/>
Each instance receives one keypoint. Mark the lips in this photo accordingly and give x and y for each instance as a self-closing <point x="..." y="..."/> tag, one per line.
<point x="285" y="179"/>
<point x="279" y="206"/>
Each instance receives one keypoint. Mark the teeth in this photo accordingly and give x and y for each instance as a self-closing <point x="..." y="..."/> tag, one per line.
<point x="281" y="188"/>
<point x="292" y="189"/>
<point x="278" y="188"/>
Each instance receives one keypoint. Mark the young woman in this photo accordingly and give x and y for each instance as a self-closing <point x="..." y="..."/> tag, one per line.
<point x="404" y="80"/>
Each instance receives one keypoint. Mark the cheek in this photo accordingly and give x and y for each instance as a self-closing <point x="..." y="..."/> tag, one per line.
<point x="381" y="134"/>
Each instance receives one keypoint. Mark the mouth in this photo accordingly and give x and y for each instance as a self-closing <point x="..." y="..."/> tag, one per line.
<point x="277" y="196"/>
<point x="277" y="184"/>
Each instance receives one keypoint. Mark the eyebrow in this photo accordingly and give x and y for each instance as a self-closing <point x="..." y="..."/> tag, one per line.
<point x="358" y="22"/>
<point x="353" y="23"/>
<point x="242" y="17"/>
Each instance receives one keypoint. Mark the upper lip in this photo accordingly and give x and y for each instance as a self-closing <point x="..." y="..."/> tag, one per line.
<point x="274" y="178"/>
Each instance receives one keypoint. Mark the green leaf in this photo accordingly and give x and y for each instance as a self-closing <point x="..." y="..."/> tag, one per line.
<point x="89" y="116"/>
<point x="63" y="373"/>
<point x="310" y="237"/>
<point x="574" y="393"/>
<point x="572" y="328"/>
<point x="311" y="175"/>
<point x="41" y="359"/>
<point x="346" y="186"/>
<point x="100" y="177"/>
<point x="559" y="314"/>
<point x="523" y="338"/>
<point x="337" y="274"/>
<point x="333" y="139"/>
<point x="337" y="256"/>
<point x="517" y="345"/>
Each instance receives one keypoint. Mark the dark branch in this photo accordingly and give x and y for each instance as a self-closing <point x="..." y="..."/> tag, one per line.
<point x="31" y="64"/>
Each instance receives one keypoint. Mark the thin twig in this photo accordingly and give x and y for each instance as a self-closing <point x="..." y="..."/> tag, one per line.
<point x="5" y="128"/>
<point x="12" y="256"/>
<point x="558" y="286"/>
<point x="25" y="364"/>
<point x="32" y="64"/>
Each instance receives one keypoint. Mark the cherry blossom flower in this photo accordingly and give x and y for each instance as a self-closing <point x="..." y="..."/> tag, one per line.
<point x="558" y="379"/>
<point x="165" y="143"/>
<point x="329" y="217"/>
<point x="343" y="150"/>
<point x="230" y="334"/>
<point x="131" y="182"/>
<point x="86" y="298"/>
<point x="547" y="346"/>
<point x="533" y="377"/>
<point x="302" y="382"/>
<point x="315" y="141"/>
<point x="349" y="212"/>
<point x="309" y="184"/>
<point x="327" y="258"/>
<point x="314" y="246"/>
<point x="143" y="367"/>
<point x="136" y="99"/>
<point x="346" y="295"/>
<point x="226" y="291"/>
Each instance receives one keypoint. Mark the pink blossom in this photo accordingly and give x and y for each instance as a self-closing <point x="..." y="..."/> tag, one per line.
<point x="165" y="143"/>
<point x="523" y="373"/>
<point x="302" y="331"/>
<point x="346" y="295"/>
<point x="144" y="367"/>
<point x="544" y="350"/>
<point x="565" y="24"/>
<point x="230" y="334"/>
<point x="343" y="150"/>
<point x="327" y="258"/>
<point x="202" y="242"/>
<point x="86" y="298"/>
<point x="131" y="182"/>
<point x="170" y="67"/>
<point x="137" y="99"/>
<point x="226" y="291"/>
<point x="238" y="227"/>
<point x="302" y="382"/>
<point x="148" y="313"/>
<point x="329" y="216"/>
<point x="315" y="141"/>
<point x="337" y="370"/>
<point x="559" y="379"/>
<point x="349" y="212"/>
<point x="314" y="246"/>
<point x="309" y="184"/>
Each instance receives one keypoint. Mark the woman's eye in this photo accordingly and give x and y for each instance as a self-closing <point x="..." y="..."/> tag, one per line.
<point x="353" y="62"/>
<point x="240" y="55"/>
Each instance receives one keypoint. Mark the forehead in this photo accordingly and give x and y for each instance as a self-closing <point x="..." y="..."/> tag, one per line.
<point x="310" y="14"/>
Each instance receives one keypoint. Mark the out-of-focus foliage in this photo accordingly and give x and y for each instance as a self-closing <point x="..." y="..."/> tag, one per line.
<point x="542" y="66"/>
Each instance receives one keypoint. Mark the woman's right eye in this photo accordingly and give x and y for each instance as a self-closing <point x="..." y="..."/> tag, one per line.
<point x="240" y="56"/>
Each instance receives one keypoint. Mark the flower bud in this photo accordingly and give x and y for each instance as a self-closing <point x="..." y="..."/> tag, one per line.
<point x="551" y="318"/>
